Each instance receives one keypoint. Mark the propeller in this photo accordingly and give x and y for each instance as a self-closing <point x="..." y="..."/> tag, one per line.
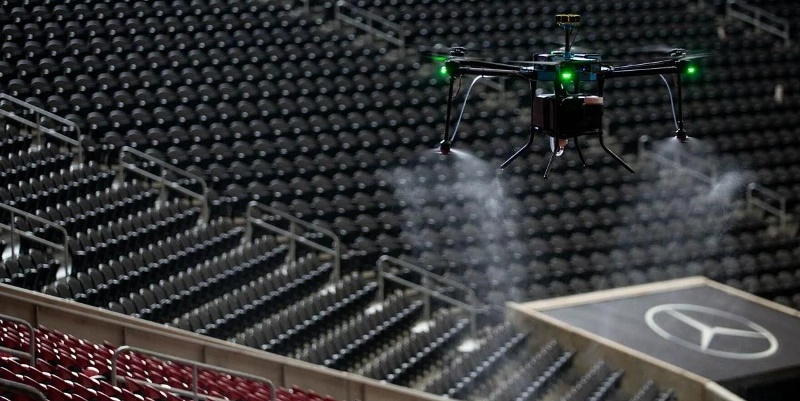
<point x="668" y="51"/>
<point x="578" y="50"/>
<point x="442" y="53"/>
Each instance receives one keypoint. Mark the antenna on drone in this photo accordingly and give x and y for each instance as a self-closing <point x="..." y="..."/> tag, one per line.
<point x="569" y="22"/>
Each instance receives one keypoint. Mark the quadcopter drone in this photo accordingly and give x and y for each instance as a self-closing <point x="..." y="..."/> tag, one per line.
<point x="575" y="109"/>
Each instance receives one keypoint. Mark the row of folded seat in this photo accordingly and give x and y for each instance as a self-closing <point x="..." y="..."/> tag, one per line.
<point x="58" y="186"/>
<point x="97" y="246"/>
<point x="407" y="359"/>
<point x="157" y="267"/>
<point x="345" y="345"/>
<point x="31" y="270"/>
<point x="26" y="165"/>
<point x="291" y="327"/>
<point x="274" y="289"/>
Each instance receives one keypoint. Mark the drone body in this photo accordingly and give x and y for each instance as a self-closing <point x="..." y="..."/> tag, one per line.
<point x="575" y="108"/>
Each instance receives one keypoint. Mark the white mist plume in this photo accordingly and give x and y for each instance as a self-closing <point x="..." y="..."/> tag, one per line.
<point x="456" y="210"/>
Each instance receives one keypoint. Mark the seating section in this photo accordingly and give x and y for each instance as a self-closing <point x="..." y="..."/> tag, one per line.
<point x="468" y="371"/>
<point x="285" y="330"/>
<point x="302" y="117"/>
<point x="345" y="345"/>
<point x="31" y="271"/>
<point x="242" y="307"/>
<point x="68" y="368"/>
<point x="407" y="360"/>
<point x="649" y="391"/>
<point x="269" y="103"/>
<point x="595" y="384"/>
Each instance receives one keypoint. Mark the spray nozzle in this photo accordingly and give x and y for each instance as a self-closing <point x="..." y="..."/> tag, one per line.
<point x="557" y="145"/>
<point x="444" y="147"/>
<point x="681" y="135"/>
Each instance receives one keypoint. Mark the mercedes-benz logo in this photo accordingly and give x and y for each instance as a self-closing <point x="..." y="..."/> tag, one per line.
<point x="715" y="332"/>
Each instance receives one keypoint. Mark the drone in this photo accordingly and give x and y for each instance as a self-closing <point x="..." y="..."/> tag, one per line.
<point x="574" y="109"/>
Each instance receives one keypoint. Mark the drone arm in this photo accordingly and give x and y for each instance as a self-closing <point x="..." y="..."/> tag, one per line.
<point x="607" y="72"/>
<point x="668" y="67"/>
<point x="459" y="67"/>
<point x="486" y="72"/>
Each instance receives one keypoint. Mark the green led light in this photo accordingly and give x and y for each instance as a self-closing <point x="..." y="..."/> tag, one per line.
<point x="691" y="70"/>
<point x="567" y="76"/>
<point x="443" y="70"/>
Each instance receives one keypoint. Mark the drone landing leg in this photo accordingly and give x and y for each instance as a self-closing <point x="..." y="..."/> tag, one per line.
<point x="617" y="158"/>
<point x="578" y="148"/>
<point x="519" y="152"/>
<point x="530" y="136"/>
<point x="549" y="165"/>
<point x="446" y="143"/>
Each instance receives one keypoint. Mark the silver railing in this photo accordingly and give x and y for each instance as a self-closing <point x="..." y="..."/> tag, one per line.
<point x="684" y="163"/>
<point x="371" y="23"/>
<point x="759" y="18"/>
<point x="768" y="201"/>
<point x="127" y="157"/>
<point x="35" y="117"/>
<point x="31" y="354"/>
<point x="275" y="221"/>
<point x="429" y="282"/>
<point x="16" y="233"/>
<point x="196" y="366"/>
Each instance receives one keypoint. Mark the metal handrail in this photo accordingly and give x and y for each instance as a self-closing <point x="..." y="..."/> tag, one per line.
<point x="681" y="161"/>
<point x="371" y="20"/>
<point x="31" y="354"/>
<point x="753" y="201"/>
<point x="471" y="308"/>
<point x="759" y="18"/>
<point x="14" y="232"/>
<point x="196" y="366"/>
<point x="39" y="113"/>
<point x="21" y="388"/>
<point x="165" y="183"/>
<point x="336" y="251"/>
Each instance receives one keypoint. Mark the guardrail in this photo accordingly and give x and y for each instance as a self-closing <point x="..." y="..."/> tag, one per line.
<point x="162" y="166"/>
<point x="769" y="201"/>
<point x="428" y="279"/>
<point x="758" y="18"/>
<point x="24" y="389"/>
<point x="196" y="366"/>
<point x="684" y="163"/>
<point x="371" y="23"/>
<point x="39" y="117"/>
<point x="15" y="232"/>
<point x="275" y="217"/>
<point x="31" y="354"/>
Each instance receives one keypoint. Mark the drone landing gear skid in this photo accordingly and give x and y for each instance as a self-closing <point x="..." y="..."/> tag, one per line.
<point x="553" y="154"/>
<point x="612" y="154"/>
<point x="522" y="149"/>
<point x="535" y="129"/>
